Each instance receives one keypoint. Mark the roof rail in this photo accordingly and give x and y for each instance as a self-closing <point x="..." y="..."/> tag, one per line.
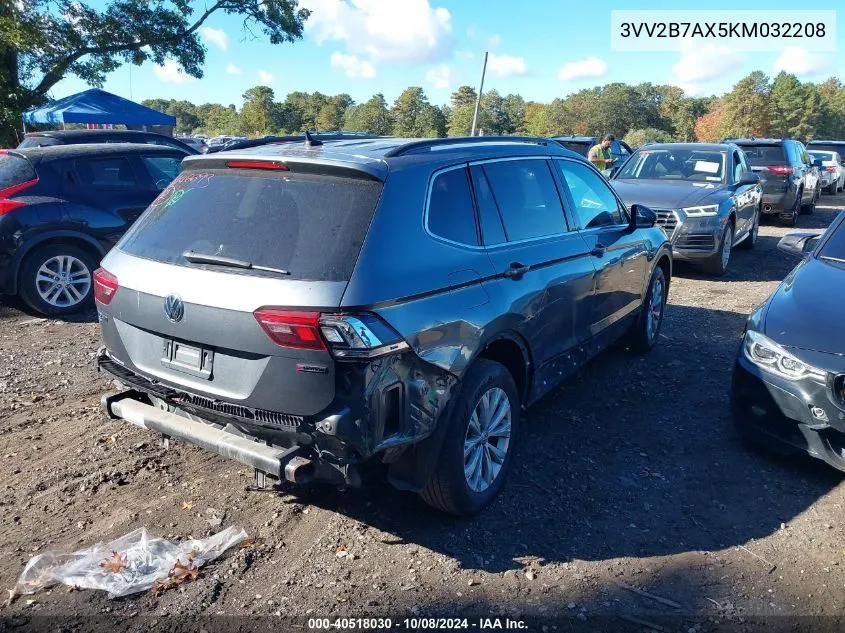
<point x="315" y="136"/>
<point x="413" y="146"/>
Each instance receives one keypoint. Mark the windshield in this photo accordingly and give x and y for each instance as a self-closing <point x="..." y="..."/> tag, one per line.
<point x="834" y="248"/>
<point x="312" y="226"/>
<point x="683" y="163"/>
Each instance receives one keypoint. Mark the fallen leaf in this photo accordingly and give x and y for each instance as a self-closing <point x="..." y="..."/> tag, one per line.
<point x="73" y="588"/>
<point x="178" y="574"/>
<point x="114" y="565"/>
<point x="187" y="505"/>
<point x="253" y="543"/>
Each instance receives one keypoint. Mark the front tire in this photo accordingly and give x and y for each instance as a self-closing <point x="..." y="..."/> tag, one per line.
<point x="810" y="207"/>
<point x="479" y="442"/>
<point x="717" y="265"/>
<point x="57" y="279"/>
<point x="791" y="218"/>
<point x="751" y="241"/>
<point x="643" y="334"/>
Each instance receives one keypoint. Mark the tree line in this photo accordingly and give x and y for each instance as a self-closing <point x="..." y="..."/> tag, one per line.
<point x="756" y="106"/>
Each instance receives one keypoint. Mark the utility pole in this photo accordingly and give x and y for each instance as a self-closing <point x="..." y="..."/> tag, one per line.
<point x="478" y="96"/>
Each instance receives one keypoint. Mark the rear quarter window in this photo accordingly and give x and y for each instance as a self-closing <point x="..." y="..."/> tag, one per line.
<point x="310" y="225"/>
<point x="450" y="211"/>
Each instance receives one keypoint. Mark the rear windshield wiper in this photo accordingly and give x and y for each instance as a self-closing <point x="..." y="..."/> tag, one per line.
<point x="219" y="260"/>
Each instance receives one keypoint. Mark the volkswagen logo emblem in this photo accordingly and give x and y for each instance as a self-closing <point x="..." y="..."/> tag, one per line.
<point x="174" y="308"/>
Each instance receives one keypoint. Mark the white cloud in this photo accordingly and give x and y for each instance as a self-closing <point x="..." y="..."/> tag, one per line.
<point x="233" y="70"/>
<point x="266" y="78"/>
<point x="583" y="68"/>
<point x="506" y="65"/>
<point x="799" y="61"/>
<point x="411" y="31"/>
<point x="172" y="72"/>
<point x="353" y="66"/>
<point x="703" y="63"/>
<point x="439" y="77"/>
<point x="495" y="40"/>
<point x="465" y="55"/>
<point x="217" y="37"/>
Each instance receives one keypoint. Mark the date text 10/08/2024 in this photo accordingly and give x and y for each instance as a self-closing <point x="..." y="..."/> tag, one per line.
<point x="415" y="624"/>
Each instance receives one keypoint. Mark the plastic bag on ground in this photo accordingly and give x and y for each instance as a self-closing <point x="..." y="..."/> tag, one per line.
<point x="139" y="563"/>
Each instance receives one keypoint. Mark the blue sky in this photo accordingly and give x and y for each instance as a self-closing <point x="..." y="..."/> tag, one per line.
<point x="541" y="49"/>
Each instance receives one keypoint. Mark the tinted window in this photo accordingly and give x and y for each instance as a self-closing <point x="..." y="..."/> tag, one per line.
<point x="527" y="198"/>
<point x="744" y="160"/>
<point x="595" y="203"/>
<point x="579" y="148"/>
<point x="835" y="246"/>
<point x="163" y="169"/>
<point x="450" y="212"/>
<point x="14" y="170"/>
<point x="492" y="230"/>
<point x="738" y="169"/>
<point x="39" y="141"/>
<point x="762" y="155"/>
<point x="829" y="147"/>
<point x="312" y="226"/>
<point x="683" y="163"/>
<point x="109" y="173"/>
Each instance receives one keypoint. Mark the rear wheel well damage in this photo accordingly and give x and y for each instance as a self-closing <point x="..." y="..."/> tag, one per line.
<point x="514" y="357"/>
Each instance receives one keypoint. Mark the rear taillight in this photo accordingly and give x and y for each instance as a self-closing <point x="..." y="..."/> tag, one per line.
<point x="346" y="336"/>
<point x="105" y="286"/>
<point x="781" y="170"/>
<point x="830" y="170"/>
<point x="300" y="330"/>
<point x="7" y="205"/>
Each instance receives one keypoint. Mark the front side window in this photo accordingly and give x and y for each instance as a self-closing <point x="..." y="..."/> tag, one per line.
<point x="738" y="168"/>
<point x="595" y="204"/>
<point x="450" y="212"/>
<point x="526" y="196"/>
<point x="106" y="173"/>
<point x="163" y="169"/>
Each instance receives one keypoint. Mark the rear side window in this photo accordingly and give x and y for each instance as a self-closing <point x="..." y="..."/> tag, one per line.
<point x="14" y="170"/>
<point x="527" y="198"/>
<point x="762" y="155"/>
<point x="310" y="225"/>
<point x="450" y="212"/>
<point x="106" y="173"/>
<point x="492" y="229"/>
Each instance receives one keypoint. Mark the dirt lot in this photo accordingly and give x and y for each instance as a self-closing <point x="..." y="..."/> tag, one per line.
<point x="630" y="473"/>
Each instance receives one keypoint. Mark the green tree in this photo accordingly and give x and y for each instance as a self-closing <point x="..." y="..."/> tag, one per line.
<point x="331" y="115"/>
<point x="831" y="123"/>
<point x="260" y="114"/>
<point x="371" y="116"/>
<point x="536" y="121"/>
<point x="43" y="41"/>
<point x="465" y="95"/>
<point x="638" y="138"/>
<point x="795" y="107"/>
<point x="407" y="113"/>
<point x="513" y="112"/>
<point x="746" y="107"/>
<point x="217" y="119"/>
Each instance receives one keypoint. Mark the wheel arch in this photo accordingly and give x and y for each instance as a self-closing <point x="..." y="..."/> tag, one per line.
<point x="80" y="240"/>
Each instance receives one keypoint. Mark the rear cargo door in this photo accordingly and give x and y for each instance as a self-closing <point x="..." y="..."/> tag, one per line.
<point x="222" y="282"/>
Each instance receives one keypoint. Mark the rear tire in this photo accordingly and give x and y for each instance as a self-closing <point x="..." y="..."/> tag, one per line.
<point x="832" y="188"/>
<point x="643" y="333"/>
<point x="57" y="279"/>
<point x="454" y="487"/>
<point x="717" y="265"/>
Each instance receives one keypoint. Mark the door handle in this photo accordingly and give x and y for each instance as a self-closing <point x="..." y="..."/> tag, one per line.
<point x="516" y="270"/>
<point x="598" y="250"/>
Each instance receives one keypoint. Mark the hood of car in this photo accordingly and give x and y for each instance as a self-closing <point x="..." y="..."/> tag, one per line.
<point x="807" y="310"/>
<point x="668" y="194"/>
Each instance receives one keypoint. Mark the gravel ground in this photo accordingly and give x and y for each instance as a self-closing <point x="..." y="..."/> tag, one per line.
<point x="629" y="475"/>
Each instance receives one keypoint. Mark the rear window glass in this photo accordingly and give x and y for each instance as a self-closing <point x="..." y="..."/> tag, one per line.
<point x="312" y="226"/>
<point x="450" y="212"/>
<point x="14" y="170"/>
<point x="764" y="154"/>
<point x="832" y="147"/>
<point x="579" y="148"/>
<point x="39" y="141"/>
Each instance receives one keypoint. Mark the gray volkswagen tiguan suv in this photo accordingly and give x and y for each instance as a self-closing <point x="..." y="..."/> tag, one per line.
<point x="305" y="308"/>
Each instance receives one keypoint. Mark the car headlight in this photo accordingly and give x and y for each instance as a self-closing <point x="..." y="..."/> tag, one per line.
<point x="768" y="355"/>
<point x="701" y="212"/>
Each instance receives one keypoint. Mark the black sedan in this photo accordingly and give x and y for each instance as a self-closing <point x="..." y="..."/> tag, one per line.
<point x="706" y="197"/>
<point x="789" y="377"/>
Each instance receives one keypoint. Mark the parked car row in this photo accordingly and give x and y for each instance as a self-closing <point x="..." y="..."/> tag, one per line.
<point x="518" y="262"/>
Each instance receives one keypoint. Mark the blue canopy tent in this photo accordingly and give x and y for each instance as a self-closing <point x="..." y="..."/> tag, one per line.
<point x="98" y="106"/>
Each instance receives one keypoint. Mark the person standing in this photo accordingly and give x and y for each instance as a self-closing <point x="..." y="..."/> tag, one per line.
<point x="599" y="154"/>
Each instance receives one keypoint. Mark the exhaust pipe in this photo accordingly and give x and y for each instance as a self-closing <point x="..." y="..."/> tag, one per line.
<point x="767" y="208"/>
<point x="299" y="470"/>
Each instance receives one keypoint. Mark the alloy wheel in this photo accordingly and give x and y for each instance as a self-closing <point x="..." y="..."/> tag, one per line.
<point x="487" y="439"/>
<point x="63" y="281"/>
<point x="727" y="244"/>
<point x="655" y="308"/>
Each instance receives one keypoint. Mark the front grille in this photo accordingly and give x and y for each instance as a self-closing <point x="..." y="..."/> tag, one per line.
<point x="697" y="242"/>
<point x="668" y="219"/>
<point x="183" y="398"/>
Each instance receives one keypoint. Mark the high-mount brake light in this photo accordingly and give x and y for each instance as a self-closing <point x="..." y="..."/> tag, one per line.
<point x="257" y="164"/>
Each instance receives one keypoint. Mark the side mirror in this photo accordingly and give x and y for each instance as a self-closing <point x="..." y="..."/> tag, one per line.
<point x="799" y="244"/>
<point x="749" y="178"/>
<point x="642" y="217"/>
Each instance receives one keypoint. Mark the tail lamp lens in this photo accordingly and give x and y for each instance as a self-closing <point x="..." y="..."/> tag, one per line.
<point x="781" y="170"/>
<point x="299" y="330"/>
<point x="105" y="286"/>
